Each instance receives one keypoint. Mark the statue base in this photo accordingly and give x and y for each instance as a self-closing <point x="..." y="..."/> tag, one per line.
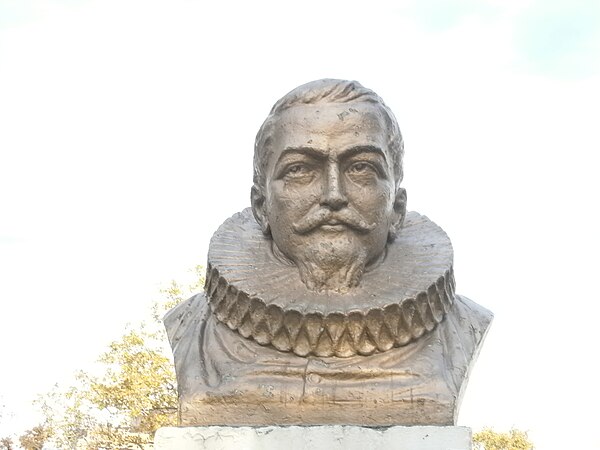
<point x="313" y="438"/>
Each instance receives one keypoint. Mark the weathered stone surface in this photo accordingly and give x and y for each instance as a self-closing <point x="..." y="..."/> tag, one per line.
<point x="313" y="438"/>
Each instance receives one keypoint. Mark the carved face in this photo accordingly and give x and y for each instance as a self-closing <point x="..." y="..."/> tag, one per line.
<point x="331" y="197"/>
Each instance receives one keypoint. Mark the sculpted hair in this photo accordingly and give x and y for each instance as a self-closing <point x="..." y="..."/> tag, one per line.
<point x="323" y="92"/>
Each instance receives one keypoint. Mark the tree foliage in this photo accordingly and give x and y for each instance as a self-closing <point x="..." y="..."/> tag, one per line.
<point x="6" y="443"/>
<point x="488" y="439"/>
<point x="133" y="393"/>
<point x="35" y="438"/>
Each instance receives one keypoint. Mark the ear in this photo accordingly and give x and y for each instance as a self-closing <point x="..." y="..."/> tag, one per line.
<point x="257" y="200"/>
<point x="399" y="214"/>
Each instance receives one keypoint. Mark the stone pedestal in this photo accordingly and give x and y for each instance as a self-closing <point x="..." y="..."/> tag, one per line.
<point x="313" y="438"/>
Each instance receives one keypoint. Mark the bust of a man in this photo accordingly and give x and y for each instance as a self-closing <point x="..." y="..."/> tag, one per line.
<point x="326" y="303"/>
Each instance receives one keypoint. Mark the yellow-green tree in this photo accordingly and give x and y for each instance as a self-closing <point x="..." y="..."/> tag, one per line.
<point x="138" y="387"/>
<point x="488" y="439"/>
<point x="130" y="397"/>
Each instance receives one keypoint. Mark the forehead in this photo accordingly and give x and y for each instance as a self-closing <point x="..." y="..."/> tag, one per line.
<point x="330" y="126"/>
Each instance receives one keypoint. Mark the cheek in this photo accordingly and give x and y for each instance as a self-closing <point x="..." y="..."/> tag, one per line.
<point x="376" y="201"/>
<point x="293" y="198"/>
<point x="288" y="203"/>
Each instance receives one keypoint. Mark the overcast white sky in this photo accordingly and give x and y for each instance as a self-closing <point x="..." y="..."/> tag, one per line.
<point x="126" y="136"/>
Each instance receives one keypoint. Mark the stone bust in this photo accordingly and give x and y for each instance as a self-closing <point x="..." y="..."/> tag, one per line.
<point x="326" y="302"/>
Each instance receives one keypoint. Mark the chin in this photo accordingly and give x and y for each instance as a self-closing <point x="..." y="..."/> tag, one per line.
<point x="330" y="262"/>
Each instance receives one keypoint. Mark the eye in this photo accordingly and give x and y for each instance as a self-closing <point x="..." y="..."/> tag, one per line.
<point x="296" y="169"/>
<point x="361" y="167"/>
<point x="298" y="172"/>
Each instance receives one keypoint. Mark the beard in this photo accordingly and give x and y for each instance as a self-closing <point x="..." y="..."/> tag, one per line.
<point x="331" y="263"/>
<point x="327" y="249"/>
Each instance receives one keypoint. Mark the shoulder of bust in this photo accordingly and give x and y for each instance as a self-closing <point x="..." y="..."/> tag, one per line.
<point x="474" y="316"/>
<point x="178" y="320"/>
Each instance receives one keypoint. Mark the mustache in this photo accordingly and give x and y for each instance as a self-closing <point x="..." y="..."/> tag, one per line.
<point x="325" y="216"/>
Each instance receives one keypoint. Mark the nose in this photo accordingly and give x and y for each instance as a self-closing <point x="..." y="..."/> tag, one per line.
<point x="333" y="192"/>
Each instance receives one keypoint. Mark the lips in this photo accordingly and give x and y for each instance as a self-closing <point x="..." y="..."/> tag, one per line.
<point x="334" y="225"/>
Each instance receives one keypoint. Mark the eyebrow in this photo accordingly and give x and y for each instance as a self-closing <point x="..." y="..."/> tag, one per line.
<point x="364" y="149"/>
<point x="321" y="154"/>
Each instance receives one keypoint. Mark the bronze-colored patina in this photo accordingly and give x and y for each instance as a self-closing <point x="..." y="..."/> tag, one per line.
<point x="326" y="303"/>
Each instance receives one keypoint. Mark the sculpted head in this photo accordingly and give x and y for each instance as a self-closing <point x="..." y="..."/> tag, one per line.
<point x="327" y="173"/>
